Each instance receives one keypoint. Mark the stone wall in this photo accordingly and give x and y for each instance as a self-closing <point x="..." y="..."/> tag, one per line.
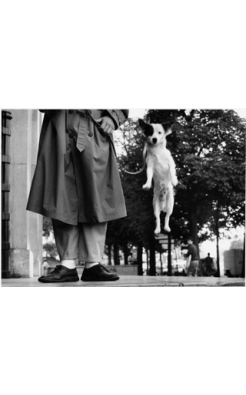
<point x="25" y="227"/>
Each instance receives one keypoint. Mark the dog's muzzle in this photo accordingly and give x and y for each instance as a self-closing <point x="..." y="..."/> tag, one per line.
<point x="154" y="140"/>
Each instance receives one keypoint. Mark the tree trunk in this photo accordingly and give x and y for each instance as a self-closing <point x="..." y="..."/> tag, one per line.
<point x="140" y="259"/>
<point x="152" y="264"/>
<point x="217" y="232"/>
<point x="147" y="261"/>
<point x="218" y="254"/>
<point x="169" y="261"/>
<point x="193" y="226"/>
<point x="116" y="254"/>
<point x="125" y="249"/>
<point x="243" y="268"/>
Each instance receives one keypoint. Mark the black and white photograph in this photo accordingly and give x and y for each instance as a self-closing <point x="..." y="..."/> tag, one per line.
<point x="109" y="198"/>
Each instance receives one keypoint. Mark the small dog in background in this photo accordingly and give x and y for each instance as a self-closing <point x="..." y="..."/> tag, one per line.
<point x="160" y="168"/>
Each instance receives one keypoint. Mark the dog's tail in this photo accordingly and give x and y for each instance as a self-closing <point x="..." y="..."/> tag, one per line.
<point x="144" y="163"/>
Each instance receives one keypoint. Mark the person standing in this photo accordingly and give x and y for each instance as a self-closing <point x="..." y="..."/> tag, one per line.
<point x="209" y="264"/>
<point x="193" y="259"/>
<point x="77" y="184"/>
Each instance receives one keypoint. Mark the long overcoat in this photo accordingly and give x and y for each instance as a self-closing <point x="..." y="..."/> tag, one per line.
<point x="76" y="177"/>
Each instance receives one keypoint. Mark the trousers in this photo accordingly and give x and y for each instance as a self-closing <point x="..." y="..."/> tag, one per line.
<point x="84" y="241"/>
<point x="193" y="268"/>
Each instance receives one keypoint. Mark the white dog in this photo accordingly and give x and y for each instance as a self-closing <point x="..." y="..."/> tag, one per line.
<point x="160" y="168"/>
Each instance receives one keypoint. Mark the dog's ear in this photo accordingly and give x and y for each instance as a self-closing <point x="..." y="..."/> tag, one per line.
<point x="142" y="124"/>
<point x="147" y="128"/>
<point x="167" y="126"/>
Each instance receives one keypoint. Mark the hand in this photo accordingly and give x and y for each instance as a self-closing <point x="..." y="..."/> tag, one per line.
<point x="107" y="124"/>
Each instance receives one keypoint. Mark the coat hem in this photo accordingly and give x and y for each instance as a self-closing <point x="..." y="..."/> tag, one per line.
<point x="61" y="218"/>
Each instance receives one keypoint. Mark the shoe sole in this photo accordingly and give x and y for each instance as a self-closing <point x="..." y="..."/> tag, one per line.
<point x="63" y="280"/>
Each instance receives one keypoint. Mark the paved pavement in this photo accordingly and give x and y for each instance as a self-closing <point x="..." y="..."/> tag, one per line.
<point x="134" y="281"/>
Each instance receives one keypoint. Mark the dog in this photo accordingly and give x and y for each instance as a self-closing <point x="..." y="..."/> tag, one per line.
<point x="160" y="168"/>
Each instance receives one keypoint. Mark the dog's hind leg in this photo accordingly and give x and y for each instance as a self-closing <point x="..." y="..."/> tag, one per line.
<point x="169" y="208"/>
<point x="157" y="212"/>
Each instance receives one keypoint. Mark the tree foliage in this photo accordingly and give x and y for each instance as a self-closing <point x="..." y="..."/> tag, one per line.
<point x="49" y="247"/>
<point x="47" y="226"/>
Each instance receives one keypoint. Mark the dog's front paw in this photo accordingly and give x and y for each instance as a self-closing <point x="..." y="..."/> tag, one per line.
<point x="157" y="230"/>
<point x="146" y="187"/>
<point x="175" y="181"/>
<point x="167" y="229"/>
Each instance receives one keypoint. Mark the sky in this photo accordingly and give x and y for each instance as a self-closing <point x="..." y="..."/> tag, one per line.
<point x="136" y="112"/>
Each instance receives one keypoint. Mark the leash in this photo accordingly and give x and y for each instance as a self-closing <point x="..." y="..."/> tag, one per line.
<point x="144" y="163"/>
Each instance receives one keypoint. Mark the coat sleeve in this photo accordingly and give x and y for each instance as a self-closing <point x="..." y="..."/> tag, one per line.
<point x="118" y="116"/>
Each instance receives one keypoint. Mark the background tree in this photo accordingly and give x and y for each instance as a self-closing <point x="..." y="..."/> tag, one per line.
<point x="47" y="226"/>
<point x="49" y="246"/>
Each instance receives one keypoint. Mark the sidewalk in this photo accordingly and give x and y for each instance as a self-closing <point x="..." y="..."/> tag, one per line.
<point x="134" y="281"/>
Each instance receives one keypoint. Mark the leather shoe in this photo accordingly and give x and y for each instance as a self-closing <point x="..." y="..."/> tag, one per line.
<point x="59" y="275"/>
<point x="98" y="273"/>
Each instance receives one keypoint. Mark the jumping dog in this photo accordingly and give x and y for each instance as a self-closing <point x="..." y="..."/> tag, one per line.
<point x="160" y="167"/>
